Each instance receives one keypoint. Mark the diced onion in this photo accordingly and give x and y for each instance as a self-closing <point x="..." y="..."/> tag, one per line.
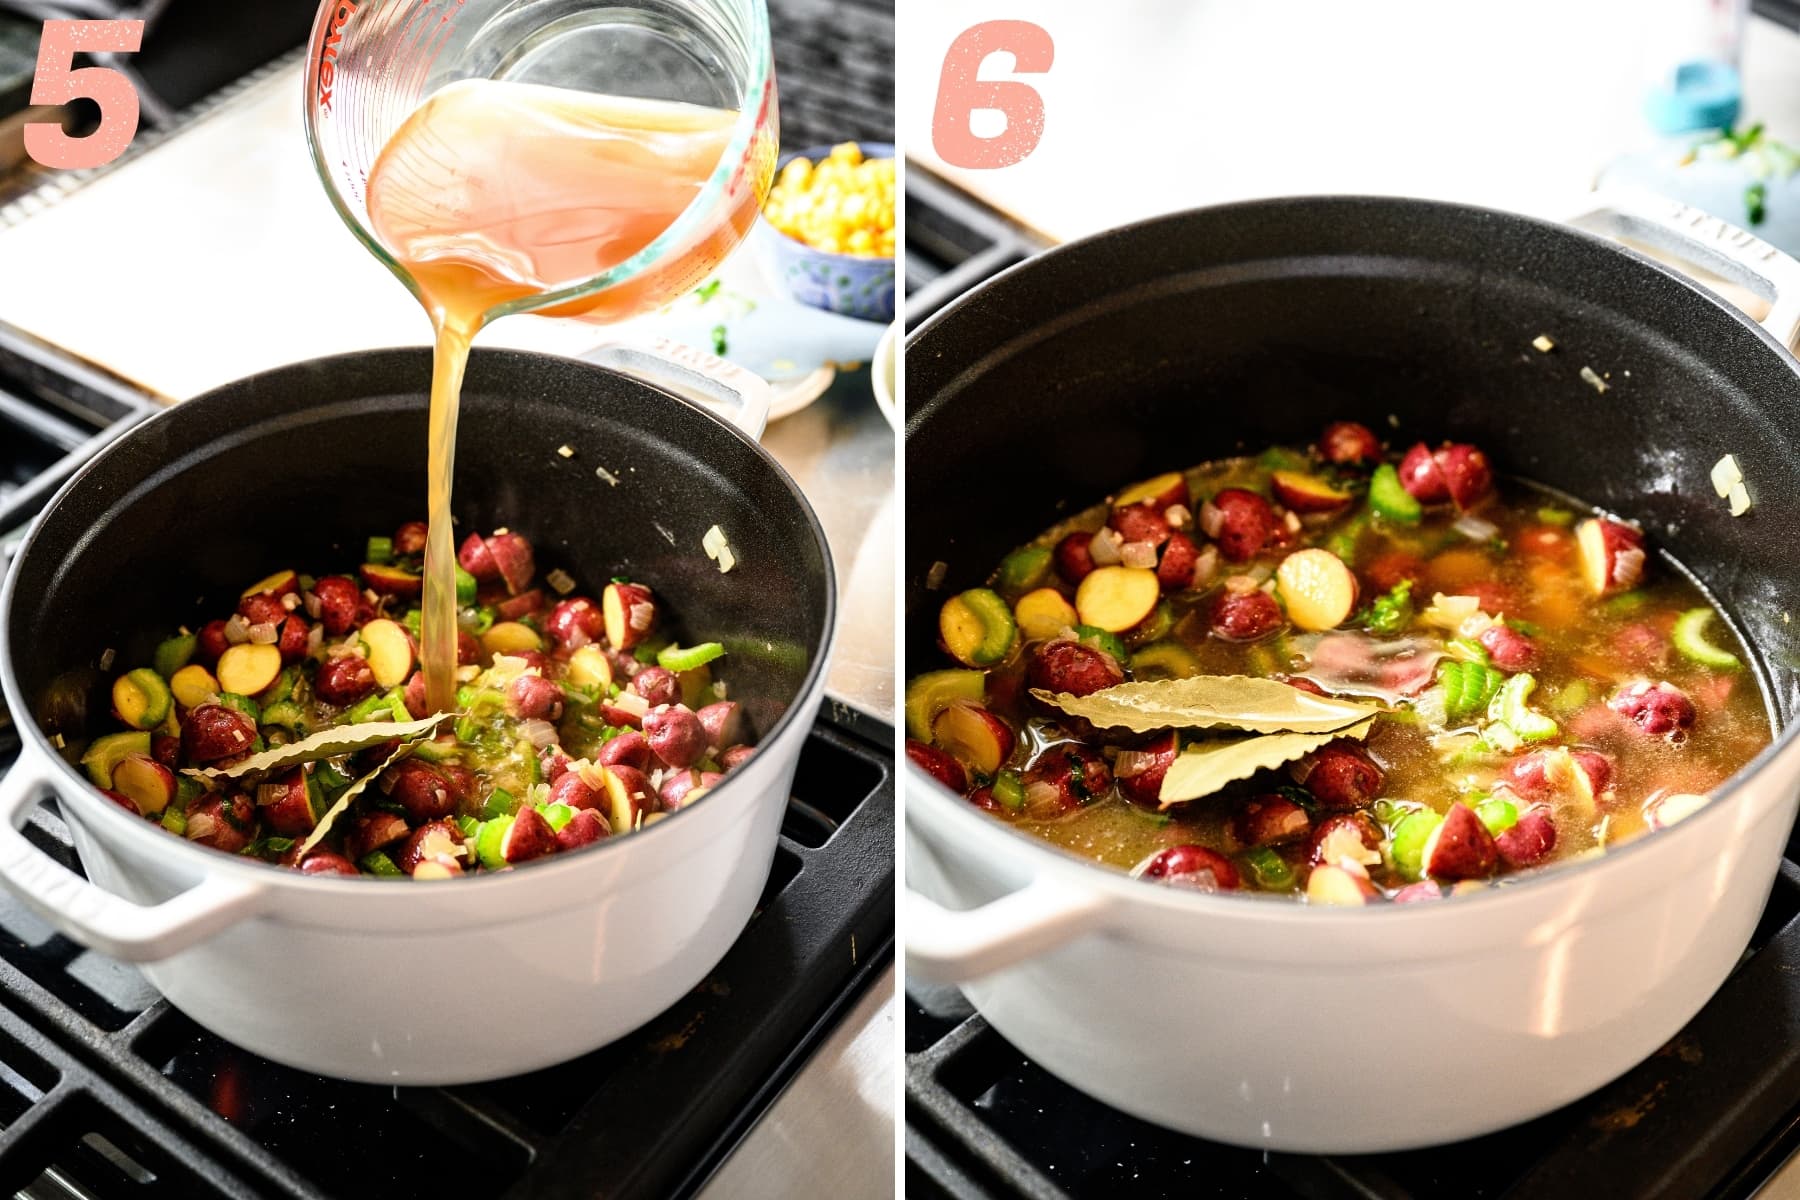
<point x="1725" y="473"/>
<point x="106" y="658"/>
<point x="291" y="601"/>
<point x="566" y="451"/>
<point x="934" y="578"/>
<point x="1138" y="554"/>
<point x="1740" y="499"/>
<point x="718" y="549"/>
<point x="1132" y="763"/>
<point x="1592" y="379"/>
<point x="611" y="479"/>
<point x="561" y="581"/>
<point x="1177" y="515"/>
<point x="643" y="616"/>
<point x="1041" y="796"/>
<point x="538" y="733"/>
<point x="315" y="637"/>
<point x="632" y="703"/>
<point x="1475" y="528"/>
<point x="237" y="630"/>
<point x="1542" y="343"/>
<point x="1206" y="566"/>
<point x="1212" y="519"/>
<point x="263" y="633"/>
<point x="1292" y="521"/>
<point x="1240" y="584"/>
<point x="314" y="606"/>
<point x="1104" y="548"/>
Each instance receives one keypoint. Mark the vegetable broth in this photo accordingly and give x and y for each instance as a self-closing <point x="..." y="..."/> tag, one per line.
<point x="494" y="191"/>
<point x="1523" y="557"/>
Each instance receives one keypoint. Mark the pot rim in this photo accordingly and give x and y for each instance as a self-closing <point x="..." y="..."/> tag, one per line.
<point x="102" y="816"/>
<point x="934" y="803"/>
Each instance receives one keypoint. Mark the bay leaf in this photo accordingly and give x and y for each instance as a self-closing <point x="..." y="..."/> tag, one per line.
<point x="1211" y="701"/>
<point x="326" y="743"/>
<point x="1203" y="769"/>
<point x="343" y="802"/>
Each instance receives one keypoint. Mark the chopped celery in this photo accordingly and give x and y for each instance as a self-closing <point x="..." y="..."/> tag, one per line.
<point x="465" y="695"/>
<point x="368" y="708"/>
<point x="1099" y="639"/>
<point x="1498" y="814"/>
<point x="435" y="751"/>
<point x="1551" y="515"/>
<point x="1406" y="849"/>
<point x="1270" y="871"/>
<point x="1009" y="790"/>
<point x="678" y="659"/>
<point x="1344" y="539"/>
<point x="414" y="620"/>
<point x="500" y="803"/>
<point x="1280" y="458"/>
<point x="286" y="714"/>
<point x="174" y="653"/>
<point x="243" y="704"/>
<point x="380" y="550"/>
<point x="330" y="778"/>
<point x="465" y="587"/>
<point x="187" y="790"/>
<point x="489" y="839"/>
<point x="396" y="705"/>
<point x="1389" y="498"/>
<point x="1625" y="603"/>
<point x="1467" y="650"/>
<point x="557" y="815"/>
<point x="1024" y="569"/>
<point x="468" y="825"/>
<point x="282" y="689"/>
<point x="1689" y="636"/>
<point x="376" y="862"/>
<point x="175" y="822"/>
<point x="1468" y="688"/>
<point x="1512" y="721"/>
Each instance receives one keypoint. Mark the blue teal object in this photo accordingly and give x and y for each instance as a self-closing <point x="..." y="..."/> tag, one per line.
<point x="1704" y="94"/>
<point x="840" y="283"/>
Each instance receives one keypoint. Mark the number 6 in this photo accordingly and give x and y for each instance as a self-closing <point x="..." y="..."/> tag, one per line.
<point x="961" y="91"/>
<point x="56" y="83"/>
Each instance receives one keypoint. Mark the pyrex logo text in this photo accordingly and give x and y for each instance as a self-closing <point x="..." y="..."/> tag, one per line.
<point x="328" y="55"/>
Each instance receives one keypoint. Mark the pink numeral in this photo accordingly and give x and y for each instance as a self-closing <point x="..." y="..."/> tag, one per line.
<point x="56" y="83"/>
<point x="961" y="92"/>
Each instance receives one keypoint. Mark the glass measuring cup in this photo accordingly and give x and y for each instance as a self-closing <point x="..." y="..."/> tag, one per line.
<point x="371" y="63"/>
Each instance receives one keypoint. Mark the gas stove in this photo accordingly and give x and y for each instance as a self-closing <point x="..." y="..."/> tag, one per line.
<point x="1715" y="1113"/>
<point x="106" y="1090"/>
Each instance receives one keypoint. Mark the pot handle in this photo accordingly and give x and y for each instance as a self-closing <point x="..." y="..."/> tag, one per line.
<point x="944" y="946"/>
<point x="1706" y="241"/>
<point x="88" y="913"/>
<point x="694" y="375"/>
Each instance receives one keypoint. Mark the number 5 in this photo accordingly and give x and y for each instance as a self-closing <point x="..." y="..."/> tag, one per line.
<point x="56" y="83"/>
<point x="961" y="91"/>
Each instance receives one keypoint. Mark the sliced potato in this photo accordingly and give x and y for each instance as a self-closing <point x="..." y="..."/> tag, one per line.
<point x="193" y="686"/>
<point x="1043" y="614"/>
<point x="1116" y="598"/>
<point x="279" y="584"/>
<point x="249" y="668"/>
<point x="589" y="667"/>
<point x="390" y="652"/>
<point x="511" y="637"/>
<point x="1317" y="588"/>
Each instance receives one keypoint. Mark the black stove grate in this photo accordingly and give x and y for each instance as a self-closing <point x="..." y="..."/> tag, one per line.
<point x="1713" y="1114"/>
<point x="953" y="243"/>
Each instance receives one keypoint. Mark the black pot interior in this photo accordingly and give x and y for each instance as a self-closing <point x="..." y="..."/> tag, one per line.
<point x="298" y="466"/>
<point x="1210" y="333"/>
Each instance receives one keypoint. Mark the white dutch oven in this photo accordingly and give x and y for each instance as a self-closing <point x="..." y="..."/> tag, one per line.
<point x="401" y="982"/>
<point x="1257" y="1020"/>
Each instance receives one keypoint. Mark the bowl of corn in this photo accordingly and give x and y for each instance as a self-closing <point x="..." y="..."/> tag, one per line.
<point x="827" y="232"/>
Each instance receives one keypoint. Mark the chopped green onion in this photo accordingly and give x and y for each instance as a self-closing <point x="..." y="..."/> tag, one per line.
<point x="380" y="550"/>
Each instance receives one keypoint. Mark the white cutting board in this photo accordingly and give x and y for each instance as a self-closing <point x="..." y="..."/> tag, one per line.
<point x="215" y="255"/>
